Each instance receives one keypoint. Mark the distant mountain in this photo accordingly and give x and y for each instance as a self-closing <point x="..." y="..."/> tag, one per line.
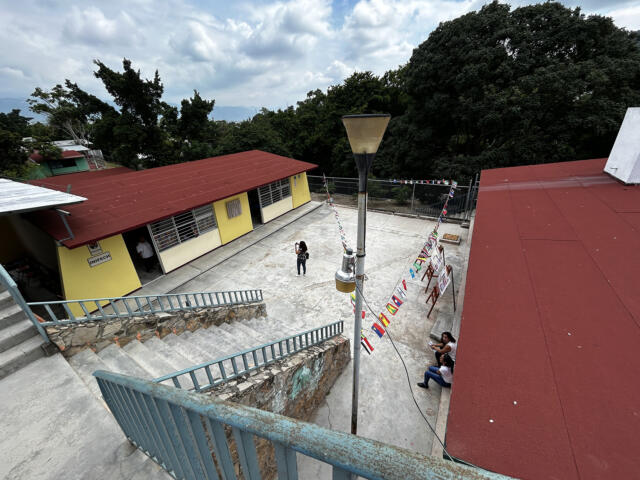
<point x="233" y="114"/>
<point x="8" y="104"/>
<point x="230" y="114"/>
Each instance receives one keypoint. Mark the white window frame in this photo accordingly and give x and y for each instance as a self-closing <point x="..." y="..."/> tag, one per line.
<point x="274" y="192"/>
<point x="180" y="228"/>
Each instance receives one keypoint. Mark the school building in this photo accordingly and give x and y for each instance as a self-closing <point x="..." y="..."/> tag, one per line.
<point x="183" y="211"/>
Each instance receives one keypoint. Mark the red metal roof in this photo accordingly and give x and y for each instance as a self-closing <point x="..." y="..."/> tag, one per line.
<point x="121" y="199"/>
<point x="547" y="372"/>
<point x="35" y="156"/>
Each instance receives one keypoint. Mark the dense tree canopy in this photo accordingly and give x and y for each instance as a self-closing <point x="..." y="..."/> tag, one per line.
<point x="537" y="84"/>
<point x="496" y="87"/>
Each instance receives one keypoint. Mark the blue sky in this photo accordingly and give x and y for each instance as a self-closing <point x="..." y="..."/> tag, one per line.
<point x="245" y="53"/>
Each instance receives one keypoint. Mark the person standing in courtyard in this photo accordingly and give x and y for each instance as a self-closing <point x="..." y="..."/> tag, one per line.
<point x="145" y="251"/>
<point x="442" y="376"/>
<point x="302" y="256"/>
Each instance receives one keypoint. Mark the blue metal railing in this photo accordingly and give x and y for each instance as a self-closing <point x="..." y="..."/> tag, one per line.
<point x="185" y="434"/>
<point x="12" y="288"/>
<point x="96" y="309"/>
<point x="232" y="366"/>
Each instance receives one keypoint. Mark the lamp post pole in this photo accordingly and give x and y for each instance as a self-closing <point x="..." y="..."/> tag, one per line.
<point x="363" y="162"/>
<point x="365" y="133"/>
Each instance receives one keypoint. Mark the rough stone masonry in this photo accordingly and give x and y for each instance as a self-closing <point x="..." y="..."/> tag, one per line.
<point x="75" y="337"/>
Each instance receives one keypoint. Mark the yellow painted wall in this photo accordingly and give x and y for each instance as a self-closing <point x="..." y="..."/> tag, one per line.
<point x="114" y="278"/>
<point x="276" y="209"/>
<point x="10" y="246"/>
<point x="231" y="228"/>
<point x="182" y="253"/>
<point x="300" y="189"/>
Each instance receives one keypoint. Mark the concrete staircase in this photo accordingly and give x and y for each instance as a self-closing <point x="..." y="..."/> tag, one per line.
<point x="157" y="357"/>
<point x="57" y="425"/>
<point x="20" y="343"/>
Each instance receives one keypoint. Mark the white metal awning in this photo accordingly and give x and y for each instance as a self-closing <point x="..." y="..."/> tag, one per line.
<point x="18" y="197"/>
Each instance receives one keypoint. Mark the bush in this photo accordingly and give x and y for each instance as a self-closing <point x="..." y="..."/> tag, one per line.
<point x="402" y="195"/>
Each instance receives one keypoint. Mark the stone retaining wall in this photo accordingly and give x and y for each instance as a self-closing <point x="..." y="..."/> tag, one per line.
<point x="294" y="387"/>
<point x="75" y="337"/>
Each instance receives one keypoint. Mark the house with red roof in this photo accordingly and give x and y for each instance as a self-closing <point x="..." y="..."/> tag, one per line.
<point x="70" y="161"/>
<point x="182" y="211"/>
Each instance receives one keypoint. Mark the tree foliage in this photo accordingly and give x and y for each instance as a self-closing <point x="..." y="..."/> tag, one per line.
<point x="492" y="88"/>
<point x="495" y="88"/>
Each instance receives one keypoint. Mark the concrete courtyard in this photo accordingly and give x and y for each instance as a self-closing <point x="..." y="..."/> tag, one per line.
<point x="387" y="411"/>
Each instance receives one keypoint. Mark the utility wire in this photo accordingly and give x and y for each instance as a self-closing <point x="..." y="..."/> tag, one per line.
<point x="406" y="371"/>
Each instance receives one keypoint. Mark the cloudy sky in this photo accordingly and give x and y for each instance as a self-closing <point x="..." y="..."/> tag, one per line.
<point x="240" y="52"/>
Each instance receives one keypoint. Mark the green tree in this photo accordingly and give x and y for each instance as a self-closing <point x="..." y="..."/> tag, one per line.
<point x="70" y="111"/>
<point x="497" y="87"/>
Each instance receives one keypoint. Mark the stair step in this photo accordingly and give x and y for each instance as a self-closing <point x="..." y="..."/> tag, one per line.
<point x="221" y="335"/>
<point x="20" y="355"/>
<point x="16" y="334"/>
<point x="5" y="299"/>
<point x="151" y="361"/>
<point x="11" y="315"/>
<point x="118" y="361"/>
<point x="245" y="336"/>
<point x="177" y="361"/>
<point x="192" y="353"/>
<point x="206" y="343"/>
<point x="85" y="363"/>
<point x="186" y="349"/>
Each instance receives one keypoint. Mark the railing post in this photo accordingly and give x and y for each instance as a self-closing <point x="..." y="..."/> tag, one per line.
<point x="13" y="290"/>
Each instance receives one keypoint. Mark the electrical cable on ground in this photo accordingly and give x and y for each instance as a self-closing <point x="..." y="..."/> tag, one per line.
<point x="408" y="378"/>
<point x="406" y="371"/>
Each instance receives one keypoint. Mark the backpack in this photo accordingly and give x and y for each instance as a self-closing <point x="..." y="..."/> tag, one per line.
<point x="306" y="254"/>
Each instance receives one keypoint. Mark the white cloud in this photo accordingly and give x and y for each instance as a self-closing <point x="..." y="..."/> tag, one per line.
<point x="242" y="52"/>
<point x="627" y="17"/>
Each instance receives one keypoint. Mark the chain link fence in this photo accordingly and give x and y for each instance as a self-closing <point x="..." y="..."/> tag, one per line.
<point x="425" y="200"/>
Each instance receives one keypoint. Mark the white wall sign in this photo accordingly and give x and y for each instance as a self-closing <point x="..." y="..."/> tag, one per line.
<point x="436" y="262"/>
<point x="443" y="281"/>
<point x="98" y="259"/>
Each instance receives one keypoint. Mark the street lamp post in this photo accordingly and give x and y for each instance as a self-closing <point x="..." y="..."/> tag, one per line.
<point x="365" y="133"/>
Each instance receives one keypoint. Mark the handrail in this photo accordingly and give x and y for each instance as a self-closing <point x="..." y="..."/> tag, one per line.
<point x="184" y="433"/>
<point x="140" y="305"/>
<point x="12" y="288"/>
<point x="251" y="358"/>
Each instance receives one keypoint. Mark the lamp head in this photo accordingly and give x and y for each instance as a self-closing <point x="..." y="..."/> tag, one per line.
<point x="346" y="274"/>
<point x="365" y="132"/>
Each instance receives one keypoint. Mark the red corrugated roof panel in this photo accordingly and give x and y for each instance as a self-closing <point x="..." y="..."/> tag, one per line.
<point x="546" y="378"/>
<point x="120" y="199"/>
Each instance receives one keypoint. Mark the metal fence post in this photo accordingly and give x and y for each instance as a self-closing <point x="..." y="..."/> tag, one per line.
<point x="413" y="196"/>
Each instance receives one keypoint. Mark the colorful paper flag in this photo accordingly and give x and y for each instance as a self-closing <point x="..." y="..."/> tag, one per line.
<point x="378" y="329"/>
<point x="396" y="300"/>
<point x="454" y="183"/>
<point x="392" y="309"/>
<point x="401" y="292"/>
<point x="404" y="283"/>
<point x="365" y="343"/>
<point x="383" y="319"/>
<point x="412" y="274"/>
<point x="444" y="211"/>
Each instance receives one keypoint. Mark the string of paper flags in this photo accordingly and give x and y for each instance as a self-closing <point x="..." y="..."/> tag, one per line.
<point x="399" y="294"/>
<point x="424" y="182"/>
<point x="343" y="236"/>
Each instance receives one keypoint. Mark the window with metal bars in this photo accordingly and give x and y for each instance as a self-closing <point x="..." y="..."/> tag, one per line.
<point x="234" y="209"/>
<point x="274" y="192"/>
<point x="172" y="231"/>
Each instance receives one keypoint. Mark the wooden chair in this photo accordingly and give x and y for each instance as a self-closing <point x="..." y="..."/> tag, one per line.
<point x="433" y="297"/>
